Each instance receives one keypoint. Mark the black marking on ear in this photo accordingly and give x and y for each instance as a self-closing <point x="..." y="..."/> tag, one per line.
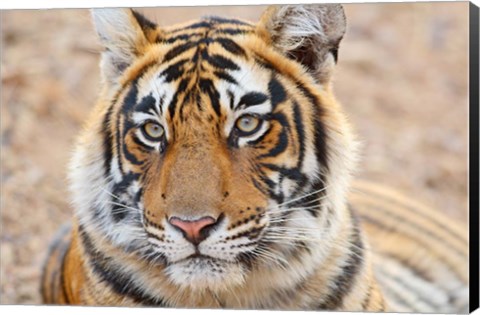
<point x="305" y="56"/>
<point x="252" y="99"/>
<point x="118" y="280"/>
<point x="334" y="52"/>
<point x="277" y="92"/>
<point x="143" y="21"/>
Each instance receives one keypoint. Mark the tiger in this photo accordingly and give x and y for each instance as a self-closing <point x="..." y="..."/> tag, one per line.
<point x="217" y="171"/>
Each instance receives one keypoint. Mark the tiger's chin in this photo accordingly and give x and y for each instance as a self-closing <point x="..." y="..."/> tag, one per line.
<point x="206" y="273"/>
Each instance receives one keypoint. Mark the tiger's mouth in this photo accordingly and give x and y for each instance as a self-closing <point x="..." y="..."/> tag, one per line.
<point x="199" y="272"/>
<point x="198" y="257"/>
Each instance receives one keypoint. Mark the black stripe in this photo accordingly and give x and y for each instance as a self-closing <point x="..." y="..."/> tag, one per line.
<point x="343" y="282"/>
<point x="277" y="92"/>
<point x="225" y="76"/>
<point x="231" y="46"/>
<point x="282" y="142"/>
<point x="128" y="103"/>
<point x="173" y="103"/>
<point x="193" y="26"/>
<point x="252" y="99"/>
<point x="178" y="50"/>
<point x="291" y="173"/>
<point x="232" y="31"/>
<point x="107" y="141"/>
<point x="218" y="19"/>
<point x="146" y="104"/>
<point x="298" y="120"/>
<point x="173" y="39"/>
<point x="121" y="282"/>
<point x="206" y="86"/>
<point x="145" y="148"/>
<point x="129" y="155"/>
<point x="219" y="61"/>
<point x="174" y="71"/>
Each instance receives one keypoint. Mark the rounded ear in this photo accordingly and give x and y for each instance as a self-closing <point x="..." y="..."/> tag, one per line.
<point x="124" y="33"/>
<point x="309" y="34"/>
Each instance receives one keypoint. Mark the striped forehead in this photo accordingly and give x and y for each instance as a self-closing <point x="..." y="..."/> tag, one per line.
<point x="205" y="60"/>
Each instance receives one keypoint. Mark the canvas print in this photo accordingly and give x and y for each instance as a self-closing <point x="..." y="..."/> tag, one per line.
<point x="285" y="157"/>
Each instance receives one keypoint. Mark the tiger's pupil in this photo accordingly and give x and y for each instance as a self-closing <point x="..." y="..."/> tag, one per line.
<point x="247" y="123"/>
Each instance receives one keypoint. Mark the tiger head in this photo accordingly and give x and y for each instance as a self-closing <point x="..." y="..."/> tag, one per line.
<point x="217" y="150"/>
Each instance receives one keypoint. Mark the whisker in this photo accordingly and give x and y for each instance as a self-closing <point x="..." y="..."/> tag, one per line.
<point x="124" y="206"/>
<point x="110" y="193"/>
<point x="303" y="196"/>
<point x="280" y="220"/>
<point x="278" y="260"/>
<point x="293" y="209"/>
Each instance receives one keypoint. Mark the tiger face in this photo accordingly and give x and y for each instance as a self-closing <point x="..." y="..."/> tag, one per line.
<point x="216" y="149"/>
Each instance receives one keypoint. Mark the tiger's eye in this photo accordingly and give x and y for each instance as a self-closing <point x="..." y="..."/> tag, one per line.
<point x="248" y="124"/>
<point x="153" y="130"/>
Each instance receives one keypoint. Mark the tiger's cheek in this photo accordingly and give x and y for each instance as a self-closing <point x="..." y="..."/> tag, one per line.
<point x="136" y="156"/>
<point x="243" y="201"/>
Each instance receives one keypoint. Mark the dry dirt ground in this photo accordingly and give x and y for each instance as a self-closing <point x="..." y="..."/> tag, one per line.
<point x="402" y="77"/>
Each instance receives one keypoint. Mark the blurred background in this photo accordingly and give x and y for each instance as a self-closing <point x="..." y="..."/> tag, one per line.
<point x="402" y="78"/>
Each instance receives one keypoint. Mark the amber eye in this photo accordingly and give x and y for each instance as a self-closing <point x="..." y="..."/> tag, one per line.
<point x="153" y="131"/>
<point x="248" y="124"/>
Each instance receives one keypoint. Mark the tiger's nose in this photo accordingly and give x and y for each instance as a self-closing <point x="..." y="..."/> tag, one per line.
<point x="195" y="231"/>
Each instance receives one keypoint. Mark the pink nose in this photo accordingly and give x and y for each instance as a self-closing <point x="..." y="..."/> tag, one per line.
<point x="194" y="231"/>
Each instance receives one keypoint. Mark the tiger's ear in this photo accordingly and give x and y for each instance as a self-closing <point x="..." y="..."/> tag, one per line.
<point x="309" y="34"/>
<point x="124" y="34"/>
